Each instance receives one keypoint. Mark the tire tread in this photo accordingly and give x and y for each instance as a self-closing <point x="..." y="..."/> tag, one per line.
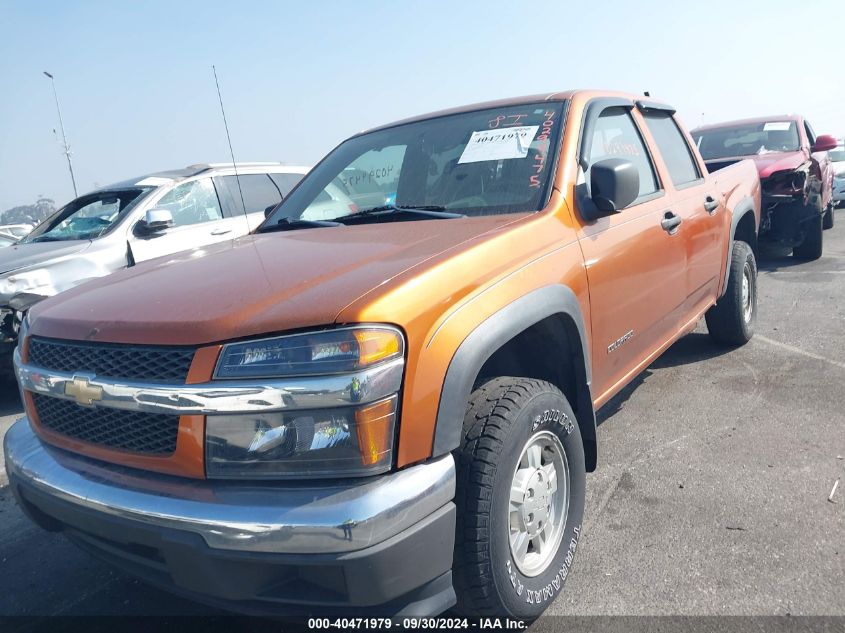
<point x="724" y="320"/>
<point x="491" y="409"/>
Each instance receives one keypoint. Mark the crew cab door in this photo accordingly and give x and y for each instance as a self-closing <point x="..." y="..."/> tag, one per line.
<point x="699" y="205"/>
<point x="634" y="258"/>
<point x="198" y="220"/>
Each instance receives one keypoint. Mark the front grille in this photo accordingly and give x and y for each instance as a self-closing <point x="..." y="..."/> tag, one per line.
<point x="129" y="362"/>
<point x="147" y="433"/>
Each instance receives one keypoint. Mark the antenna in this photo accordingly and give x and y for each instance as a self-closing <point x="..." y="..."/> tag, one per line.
<point x="229" y="138"/>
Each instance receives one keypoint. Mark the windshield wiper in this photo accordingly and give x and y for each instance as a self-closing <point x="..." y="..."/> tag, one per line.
<point x="288" y="224"/>
<point x="427" y="210"/>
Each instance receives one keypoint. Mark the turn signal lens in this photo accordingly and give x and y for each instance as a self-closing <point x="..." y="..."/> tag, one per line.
<point x="374" y="424"/>
<point x="376" y="345"/>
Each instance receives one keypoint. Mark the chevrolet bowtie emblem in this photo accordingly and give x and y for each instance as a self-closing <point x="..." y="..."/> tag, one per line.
<point x="81" y="389"/>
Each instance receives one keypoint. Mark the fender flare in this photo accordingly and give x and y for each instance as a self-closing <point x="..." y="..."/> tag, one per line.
<point x="743" y="208"/>
<point x="494" y="332"/>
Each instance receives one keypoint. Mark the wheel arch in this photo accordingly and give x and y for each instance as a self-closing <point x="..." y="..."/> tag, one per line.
<point x="521" y="339"/>
<point x="744" y="228"/>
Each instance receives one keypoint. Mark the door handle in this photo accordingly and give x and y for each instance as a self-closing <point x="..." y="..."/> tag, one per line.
<point x="671" y="222"/>
<point x="221" y="231"/>
<point x="711" y="205"/>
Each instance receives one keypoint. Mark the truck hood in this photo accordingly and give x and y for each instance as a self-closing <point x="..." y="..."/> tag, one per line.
<point x="255" y="285"/>
<point x="34" y="254"/>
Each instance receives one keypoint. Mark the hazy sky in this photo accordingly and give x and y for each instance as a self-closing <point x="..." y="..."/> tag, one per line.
<point x="137" y="90"/>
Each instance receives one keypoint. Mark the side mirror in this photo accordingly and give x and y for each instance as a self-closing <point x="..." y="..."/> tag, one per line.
<point x="269" y="210"/>
<point x="157" y="220"/>
<point x="614" y="184"/>
<point x="824" y="143"/>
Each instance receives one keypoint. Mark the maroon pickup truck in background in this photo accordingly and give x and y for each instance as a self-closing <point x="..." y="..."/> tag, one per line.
<point x="795" y="173"/>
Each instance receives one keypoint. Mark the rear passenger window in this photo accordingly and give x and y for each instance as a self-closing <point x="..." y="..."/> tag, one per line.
<point x="673" y="147"/>
<point x="616" y="136"/>
<point x="259" y="192"/>
<point x="286" y="182"/>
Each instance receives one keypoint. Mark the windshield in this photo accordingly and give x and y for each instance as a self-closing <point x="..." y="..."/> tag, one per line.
<point x="837" y="155"/>
<point x="87" y="217"/>
<point x="492" y="161"/>
<point x="748" y="140"/>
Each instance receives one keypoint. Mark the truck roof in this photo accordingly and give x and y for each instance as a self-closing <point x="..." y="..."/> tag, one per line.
<point x="759" y="119"/>
<point x="512" y="101"/>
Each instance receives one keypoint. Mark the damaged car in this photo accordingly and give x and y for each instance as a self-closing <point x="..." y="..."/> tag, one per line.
<point x="133" y="221"/>
<point x="795" y="173"/>
<point x="837" y="157"/>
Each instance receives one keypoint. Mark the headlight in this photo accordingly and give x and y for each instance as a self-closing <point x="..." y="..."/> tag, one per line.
<point x="343" y="439"/>
<point x="311" y="354"/>
<point x="336" y="442"/>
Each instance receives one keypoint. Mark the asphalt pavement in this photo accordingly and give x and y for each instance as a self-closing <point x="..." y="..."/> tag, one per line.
<point x="711" y="496"/>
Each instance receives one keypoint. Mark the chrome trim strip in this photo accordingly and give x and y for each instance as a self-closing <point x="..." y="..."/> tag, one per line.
<point x="221" y="396"/>
<point x="269" y="517"/>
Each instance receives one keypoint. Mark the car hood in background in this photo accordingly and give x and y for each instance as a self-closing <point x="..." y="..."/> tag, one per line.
<point x="767" y="164"/>
<point x="255" y="285"/>
<point x="33" y="254"/>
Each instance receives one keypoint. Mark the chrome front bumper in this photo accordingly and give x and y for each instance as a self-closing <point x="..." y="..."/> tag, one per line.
<point x="269" y="517"/>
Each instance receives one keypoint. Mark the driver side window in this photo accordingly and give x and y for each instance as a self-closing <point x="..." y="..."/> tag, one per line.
<point x="192" y="202"/>
<point x="616" y="136"/>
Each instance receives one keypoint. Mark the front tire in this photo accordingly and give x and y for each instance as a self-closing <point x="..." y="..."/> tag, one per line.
<point x="731" y="321"/>
<point x="520" y="498"/>
<point x="828" y="217"/>
<point x="811" y="248"/>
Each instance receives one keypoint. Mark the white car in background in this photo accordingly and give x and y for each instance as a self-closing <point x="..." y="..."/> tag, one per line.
<point x="130" y="222"/>
<point x="837" y="159"/>
<point x="16" y="231"/>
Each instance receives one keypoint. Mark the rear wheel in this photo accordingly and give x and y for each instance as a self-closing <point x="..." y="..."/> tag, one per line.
<point x="811" y="247"/>
<point x="520" y="498"/>
<point x="828" y="217"/>
<point x="732" y="319"/>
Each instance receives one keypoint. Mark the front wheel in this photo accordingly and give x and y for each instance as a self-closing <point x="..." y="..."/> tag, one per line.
<point x="731" y="320"/>
<point x="828" y="217"/>
<point x="811" y="247"/>
<point x="520" y="498"/>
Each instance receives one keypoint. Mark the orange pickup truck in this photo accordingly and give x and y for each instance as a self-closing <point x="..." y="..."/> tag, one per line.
<point x="383" y="400"/>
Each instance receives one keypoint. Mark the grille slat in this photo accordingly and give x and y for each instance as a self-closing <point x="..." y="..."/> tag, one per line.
<point x="147" y="433"/>
<point x="127" y="362"/>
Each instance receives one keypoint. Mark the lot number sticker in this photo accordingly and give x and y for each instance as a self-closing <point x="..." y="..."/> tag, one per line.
<point x="777" y="126"/>
<point x="501" y="144"/>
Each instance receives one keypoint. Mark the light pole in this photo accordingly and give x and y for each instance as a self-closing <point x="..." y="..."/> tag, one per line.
<point x="64" y="138"/>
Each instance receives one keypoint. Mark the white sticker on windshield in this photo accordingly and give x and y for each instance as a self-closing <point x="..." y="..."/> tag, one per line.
<point x="501" y="144"/>
<point x="154" y="181"/>
<point x="777" y="126"/>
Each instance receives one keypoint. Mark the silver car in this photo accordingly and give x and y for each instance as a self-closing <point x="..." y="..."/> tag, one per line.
<point x="131" y="222"/>
<point x="16" y="231"/>
<point x="837" y="159"/>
